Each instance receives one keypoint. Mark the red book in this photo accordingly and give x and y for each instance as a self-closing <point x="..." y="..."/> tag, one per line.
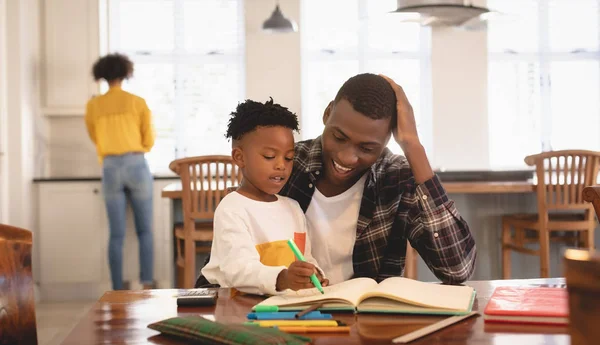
<point x="531" y="305"/>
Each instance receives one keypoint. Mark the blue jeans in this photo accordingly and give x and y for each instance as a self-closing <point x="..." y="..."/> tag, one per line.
<point x="127" y="177"/>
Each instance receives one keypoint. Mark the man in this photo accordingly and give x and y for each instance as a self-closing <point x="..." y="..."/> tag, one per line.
<point x="362" y="202"/>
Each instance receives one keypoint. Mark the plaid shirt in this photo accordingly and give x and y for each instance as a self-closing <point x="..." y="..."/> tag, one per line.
<point x="394" y="209"/>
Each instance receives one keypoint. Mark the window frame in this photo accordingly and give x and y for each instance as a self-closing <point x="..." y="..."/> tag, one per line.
<point x="177" y="58"/>
<point x="544" y="56"/>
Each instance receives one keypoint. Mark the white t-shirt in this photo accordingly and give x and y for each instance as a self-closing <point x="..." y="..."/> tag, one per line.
<point x="332" y="229"/>
<point x="249" y="247"/>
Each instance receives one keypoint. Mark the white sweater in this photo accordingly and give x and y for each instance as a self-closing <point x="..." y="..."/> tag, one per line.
<point x="249" y="247"/>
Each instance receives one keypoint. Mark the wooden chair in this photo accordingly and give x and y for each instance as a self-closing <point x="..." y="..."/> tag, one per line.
<point x="204" y="180"/>
<point x="17" y="303"/>
<point x="561" y="178"/>
<point x="592" y="194"/>
<point x="410" y="263"/>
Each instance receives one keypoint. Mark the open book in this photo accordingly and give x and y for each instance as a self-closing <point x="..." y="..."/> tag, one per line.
<point x="393" y="295"/>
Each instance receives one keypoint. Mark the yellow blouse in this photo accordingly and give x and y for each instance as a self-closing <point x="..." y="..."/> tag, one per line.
<point x="119" y="122"/>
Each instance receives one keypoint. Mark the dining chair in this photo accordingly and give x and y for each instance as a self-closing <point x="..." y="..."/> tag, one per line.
<point x="410" y="262"/>
<point x="205" y="181"/>
<point x="591" y="194"/>
<point x="17" y="302"/>
<point x="562" y="213"/>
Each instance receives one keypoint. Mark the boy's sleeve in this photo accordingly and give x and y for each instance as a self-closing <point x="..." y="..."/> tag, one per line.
<point x="238" y="260"/>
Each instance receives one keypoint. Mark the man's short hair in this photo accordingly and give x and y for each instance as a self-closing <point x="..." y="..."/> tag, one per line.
<point x="369" y="94"/>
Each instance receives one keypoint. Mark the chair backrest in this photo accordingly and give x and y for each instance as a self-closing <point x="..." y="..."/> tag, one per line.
<point x="592" y="194"/>
<point x="204" y="183"/>
<point x="562" y="176"/>
<point x="17" y="302"/>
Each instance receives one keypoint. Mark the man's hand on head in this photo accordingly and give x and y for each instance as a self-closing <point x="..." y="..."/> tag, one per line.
<point x="407" y="137"/>
<point x="405" y="132"/>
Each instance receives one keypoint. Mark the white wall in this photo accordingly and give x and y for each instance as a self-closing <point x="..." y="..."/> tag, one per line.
<point x="3" y="117"/>
<point x="272" y="60"/>
<point x="71" y="152"/>
<point x="26" y="128"/>
<point x="459" y="80"/>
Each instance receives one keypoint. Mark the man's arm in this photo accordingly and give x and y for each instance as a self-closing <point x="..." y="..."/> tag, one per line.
<point x="430" y="222"/>
<point x="440" y="235"/>
<point x="433" y="226"/>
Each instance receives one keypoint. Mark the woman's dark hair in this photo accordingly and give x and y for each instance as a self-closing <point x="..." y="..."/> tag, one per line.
<point x="251" y="114"/>
<point x="112" y="67"/>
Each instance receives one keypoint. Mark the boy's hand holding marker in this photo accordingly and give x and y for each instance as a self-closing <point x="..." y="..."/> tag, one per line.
<point x="297" y="277"/>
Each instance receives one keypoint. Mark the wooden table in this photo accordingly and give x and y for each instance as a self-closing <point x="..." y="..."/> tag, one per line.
<point x="489" y="187"/>
<point x="121" y="317"/>
<point x="173" y="190"/>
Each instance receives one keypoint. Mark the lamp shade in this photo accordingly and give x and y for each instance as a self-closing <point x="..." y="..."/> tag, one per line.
<point x="278" y="23"/>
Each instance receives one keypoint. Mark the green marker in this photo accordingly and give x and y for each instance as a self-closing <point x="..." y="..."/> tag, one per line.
<point x="300" y="257"/>
<point x="266" y="308"/>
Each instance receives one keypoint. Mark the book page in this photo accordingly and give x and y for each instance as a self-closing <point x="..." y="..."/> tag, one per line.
<point x="348" y="292"/>
<point x="431" y="295"/>
<point x="387" y="305"/>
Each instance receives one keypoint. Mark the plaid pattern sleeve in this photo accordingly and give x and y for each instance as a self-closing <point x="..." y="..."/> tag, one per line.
<point x="440" y="235"/>
<point x="395" y="209"/>
<point x="203" y="331"/>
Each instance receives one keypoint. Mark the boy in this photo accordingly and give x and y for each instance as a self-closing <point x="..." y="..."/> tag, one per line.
<point x="252" y="225"/>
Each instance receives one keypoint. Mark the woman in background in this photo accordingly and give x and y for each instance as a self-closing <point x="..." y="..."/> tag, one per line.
<point x="119" y="123"/>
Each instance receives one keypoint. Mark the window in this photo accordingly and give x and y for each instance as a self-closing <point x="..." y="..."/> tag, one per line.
<point x="544" y="78"/>
<point x="341" y="38"/>
<point x="189" y="66"/>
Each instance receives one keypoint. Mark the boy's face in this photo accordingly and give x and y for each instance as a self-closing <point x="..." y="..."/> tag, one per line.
<point x="352" y="142"/>
<point x="266" y="157"/>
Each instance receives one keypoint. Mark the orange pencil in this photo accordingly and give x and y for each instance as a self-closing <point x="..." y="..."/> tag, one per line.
<point x="300" y="329"/>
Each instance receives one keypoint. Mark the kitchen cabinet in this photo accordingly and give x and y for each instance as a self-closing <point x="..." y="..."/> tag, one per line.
<point x="71" y="42"/>
<point x="73" y="241"/>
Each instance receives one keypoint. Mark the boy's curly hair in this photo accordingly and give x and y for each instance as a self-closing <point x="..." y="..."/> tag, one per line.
<point x="112" y="67"/>
<point x="251" y="114"/>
